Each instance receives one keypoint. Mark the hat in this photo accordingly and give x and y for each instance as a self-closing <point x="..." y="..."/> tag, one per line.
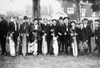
<point x="25" y="18"/>
<point x="60" y="18"/>
<point x="85" y="19"/>
<point x="66" y="18"/>
<point x="97" y="20"/>
<point x="40" y="19"/>
<point x="35" y="19"/>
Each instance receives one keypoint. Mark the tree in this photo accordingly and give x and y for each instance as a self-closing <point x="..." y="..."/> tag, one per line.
<point x="96" y="5"/>
<point x="36" y="9"/>
<point x="12" y="14"/>
<point x="78" y="9"/>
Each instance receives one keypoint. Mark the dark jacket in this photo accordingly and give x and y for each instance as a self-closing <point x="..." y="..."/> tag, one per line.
<point x="97" y="35"/>
<point x="59" y="29"/>
<point x="83" y="34"/>
<point x="44" y="28"/>
<point x="73" y="31"/>
<point x="3" y="28"/>
<point x="12" y="28"/>
<point x="24" y="27"/>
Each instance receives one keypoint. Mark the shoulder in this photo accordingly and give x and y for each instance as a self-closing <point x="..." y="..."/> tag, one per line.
<point x="4" y="21"/>
<point x="11" y="22"/>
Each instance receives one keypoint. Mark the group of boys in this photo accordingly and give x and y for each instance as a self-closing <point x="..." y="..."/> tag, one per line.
<point x="62" y="29"/>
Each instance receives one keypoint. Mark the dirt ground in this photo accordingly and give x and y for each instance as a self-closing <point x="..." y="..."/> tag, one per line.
<point x="50" y="61"/>
<point x="40" y="61"/>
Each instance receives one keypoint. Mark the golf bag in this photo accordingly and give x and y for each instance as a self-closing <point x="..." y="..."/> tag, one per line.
<point x="30" y="47"/>
<point x="7" y="45"/>
<point x="74" y="45"/>
<point x="44" y="45"/>
<point x="33" y="46"/>
<point x="12" y="45"/>
<point x="55" y="45"/>
<point x="24" y="44"/>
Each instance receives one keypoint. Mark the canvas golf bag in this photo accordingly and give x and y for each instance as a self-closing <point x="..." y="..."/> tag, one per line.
<point x="7" y="45"/>
<point x="33" y="46"/>
<point x="44" y="44"/>
<point x="74" y="45"/>
<point x="12" y="45"/>
<point x="30" y="47"/>
<point x="55" y="45"/>
<point x="24" y="44"/>
<point x="24" y="29"/>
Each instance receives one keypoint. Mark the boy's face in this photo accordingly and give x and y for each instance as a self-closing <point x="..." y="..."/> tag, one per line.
<point x="96" y="24"/>
<point x="16" y="19"/>
<point x="73" y="24"/>
<point x="50" y="22"/>
<point x="61" y="21"/>
<point x="45" y="20"/>
<point x="81" y="25"/>
<point x="66" y="21"/>
<point x="35" y="22"/>
<point x="0" y="19"/>
<point x="85" y="21"/>
<point x="54" y="22"/>
<point x="40" y="21"/>
<point x="12" y="19"/>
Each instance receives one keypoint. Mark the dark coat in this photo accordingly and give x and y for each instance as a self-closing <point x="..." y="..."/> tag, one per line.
<point x="44" y="28"/>
<point x="74" y="31"/>
<point x="3" y="28"/>
<point x="97" y="34"/>
<point x="24" y="27"/>
<point x="66" y="30"/>
<point x="12" y="28"/>
<point x="59" y="29"/>
<point x="38" y="32"/>
<point x="89" y="29"/>
<point x="97" y="40"/>
<point x="83" y="34"/>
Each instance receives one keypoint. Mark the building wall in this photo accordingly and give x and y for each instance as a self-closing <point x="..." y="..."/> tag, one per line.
<point x="48" y="11"/>
<point x="70" y="4"/>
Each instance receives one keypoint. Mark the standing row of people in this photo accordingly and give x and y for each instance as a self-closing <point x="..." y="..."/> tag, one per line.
<point x="36" y="31"/>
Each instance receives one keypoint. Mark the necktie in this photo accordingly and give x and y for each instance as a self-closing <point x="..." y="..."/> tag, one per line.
<point x="15" y="26"/>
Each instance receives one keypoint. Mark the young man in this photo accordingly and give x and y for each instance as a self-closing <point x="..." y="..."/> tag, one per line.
<point x="97" y="36"/>
<point x="66" y="35"/>
<point x="59" y="31"/>
<point x="45" y="30"/>
<point x="24" y="31"/>
<point x="87" y="25"/>
<point x="13" y="28"/>
<point x="3" y="34"/>
<point x="73" y="38"/>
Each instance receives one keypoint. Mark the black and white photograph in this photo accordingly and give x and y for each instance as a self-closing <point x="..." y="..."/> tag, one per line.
<point x="49" y="33"/>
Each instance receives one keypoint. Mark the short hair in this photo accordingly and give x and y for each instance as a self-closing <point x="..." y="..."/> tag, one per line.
<point x="54" y="20"/>
<point x="97" y="20"/>
<point x="72" y="22"/>
<point x="17" y="17"/>
<point x="45" y="19"/>
<point x="85" y="19"/>
<point x="60" y="18"/>
<point x="40" y="19"/>
<point x="25" y="17"/>
<point x="66" y="18"/>
<point x="35" y="19"/>
<point x="1" y="17"/>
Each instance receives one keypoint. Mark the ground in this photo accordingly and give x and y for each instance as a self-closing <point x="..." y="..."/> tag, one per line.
<point x="50" y="61"/>
<point x="41" y="61"/>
